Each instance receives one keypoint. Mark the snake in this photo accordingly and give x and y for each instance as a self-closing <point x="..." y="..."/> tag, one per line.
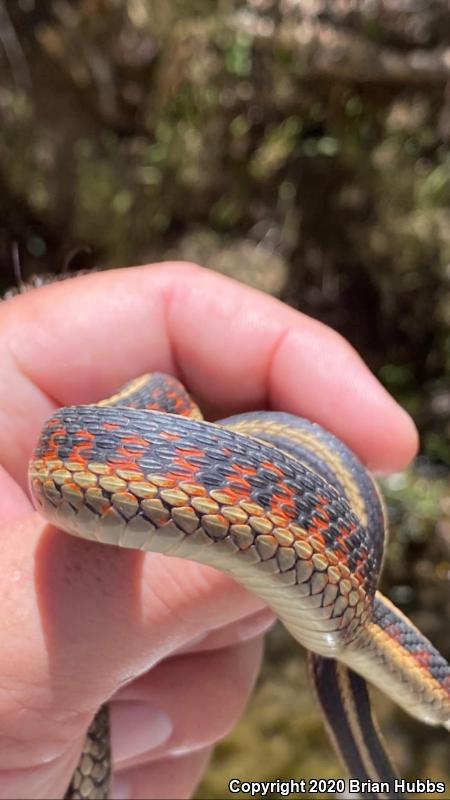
<point x="275" y="501"/>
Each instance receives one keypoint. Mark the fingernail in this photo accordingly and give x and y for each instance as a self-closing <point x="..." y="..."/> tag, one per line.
<point x="120" y="789"/>
<point x="137" y="728"/>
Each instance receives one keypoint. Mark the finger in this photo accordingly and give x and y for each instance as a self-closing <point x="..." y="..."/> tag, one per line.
<point x="78" y="341"/>
<point x="240" y="631"/>
<point x="13" y="500"/>
<point x="41" y="781"/>
<point x="162" y="780"/>
<point x="78" y="621"/>
<point x="184" y="704"/>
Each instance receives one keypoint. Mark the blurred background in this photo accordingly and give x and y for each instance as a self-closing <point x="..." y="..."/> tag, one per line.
<point x="301" y="147"/>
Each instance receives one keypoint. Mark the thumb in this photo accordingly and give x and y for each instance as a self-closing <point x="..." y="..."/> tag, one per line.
<point x="79" y="621"/>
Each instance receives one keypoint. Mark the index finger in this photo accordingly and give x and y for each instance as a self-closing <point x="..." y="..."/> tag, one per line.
<point x="234" y="348"/>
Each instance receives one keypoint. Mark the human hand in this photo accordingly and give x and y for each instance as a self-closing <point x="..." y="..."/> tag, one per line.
<point x="177" y="645"/>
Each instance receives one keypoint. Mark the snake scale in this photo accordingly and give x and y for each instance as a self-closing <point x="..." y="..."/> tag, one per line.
<point x="272" y="499"/>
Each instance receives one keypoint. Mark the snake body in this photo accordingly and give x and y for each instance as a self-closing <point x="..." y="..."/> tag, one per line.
<point x="275" y="501"/>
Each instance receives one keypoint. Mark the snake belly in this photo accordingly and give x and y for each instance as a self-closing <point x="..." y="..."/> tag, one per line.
<point x="273" y="500"/>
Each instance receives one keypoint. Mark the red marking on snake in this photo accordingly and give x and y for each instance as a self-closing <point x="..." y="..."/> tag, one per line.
<point x="132" y="455"/>
<point x="422" y="658"/>
<point x="321" y="509"/>
<point x="110" y="426"/>
<point x="318" y="538"/>
<point x="76" y="454"/>
<point x="52" y="445"/>
<point x="186" y="469"/>
<point x="393" y="630"/>
<point x="74" y="488"/>
<point x="171" y="437"/>
<point x="273" y="468"/>
<point x="180" y="403"/>
<point x="190" y="451"/>
<point x="238" y="489"/>
<point x="129" y="466"/>
<point x="244" y="470"/>
<point x="318" y="524"/>
<point x="238" y="483"/>
<point x="135" y="440"/>
<point x="283" y="504"/>
<point x="342" y="539"/>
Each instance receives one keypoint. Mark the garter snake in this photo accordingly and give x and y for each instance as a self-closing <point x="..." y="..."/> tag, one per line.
<point x="272" y="499"/>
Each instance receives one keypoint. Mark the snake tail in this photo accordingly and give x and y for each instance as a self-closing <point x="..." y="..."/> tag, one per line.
<point x="345" y="705"/>
<point x="397" y="658"/>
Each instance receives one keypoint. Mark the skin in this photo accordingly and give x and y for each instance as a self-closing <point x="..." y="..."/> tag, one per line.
<point x="175" y="644"/>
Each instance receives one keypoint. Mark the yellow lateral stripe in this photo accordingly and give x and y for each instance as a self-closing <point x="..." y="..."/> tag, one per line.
<point x="132" y="387"/>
